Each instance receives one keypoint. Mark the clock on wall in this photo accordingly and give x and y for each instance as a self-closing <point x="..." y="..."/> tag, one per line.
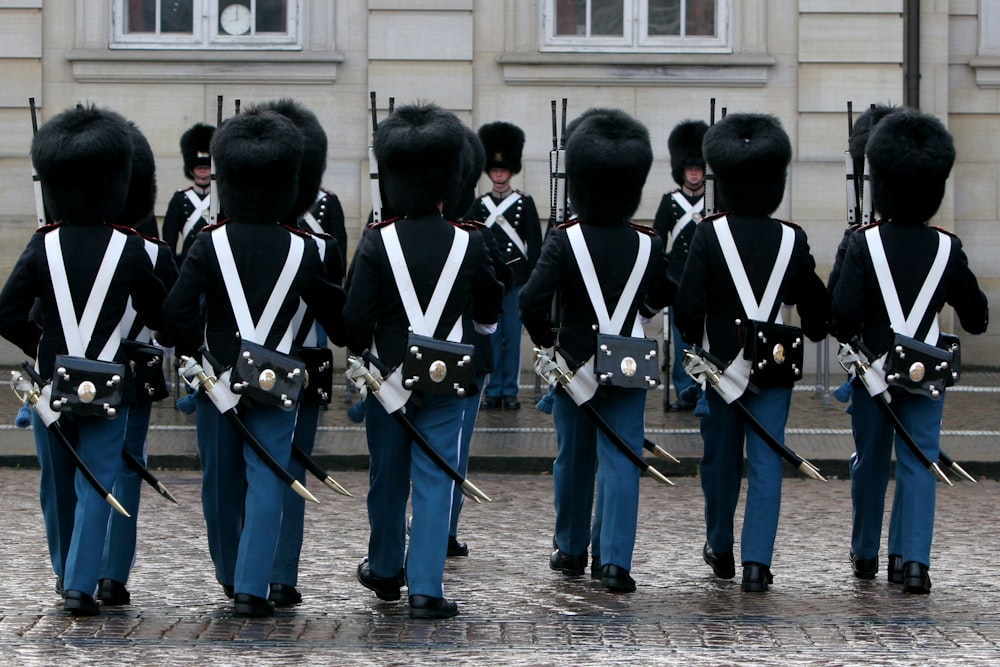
<point x="235" y="19"/>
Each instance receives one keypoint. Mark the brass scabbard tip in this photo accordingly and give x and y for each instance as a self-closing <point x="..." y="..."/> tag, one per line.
<point x="940" y="474"/>
<point x="963" y="474"/>
<point x="166" y="493"/>
<point x="469" y="489"/>
<point x="332" y="483"/>
<point x="304" y="492"/>
<point x="809" y="470"/>
<point x="658" y="476"/>
<point x="117" y="505"/>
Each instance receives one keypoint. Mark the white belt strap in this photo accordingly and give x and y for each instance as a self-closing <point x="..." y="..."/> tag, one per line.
<point x="420" y="322"/>
<point x="306" y="335"/>
<point x="257" y="333"/>
<point x="610" y="324"/>
<point x="909" y="324"/>
<point x="78" y="334"/>
<point x="200" y="206"/>
<point x="496" y="217"/>
<point x="125" y="327"/>
<point x="755" y="311"/>
<point x="690" y="210"/>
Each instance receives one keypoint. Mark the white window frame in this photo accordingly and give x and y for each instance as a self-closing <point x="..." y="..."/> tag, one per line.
<point x="635" y="38"/>
<point x="205" y="31"/>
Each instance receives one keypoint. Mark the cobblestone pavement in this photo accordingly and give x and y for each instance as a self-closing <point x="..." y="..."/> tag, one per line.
<point x="513" y="609"/>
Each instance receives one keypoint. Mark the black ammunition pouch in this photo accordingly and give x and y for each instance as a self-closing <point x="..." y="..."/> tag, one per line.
<point x="263" y="376"/>
<point x="622" y="361"/>
<point x="146" y="365"/>
<point x="775" y="352"/>
<point x="87" y="387"/>
<point x="439" y="367"/>
<point x="317" y="388"/>
<point x="920" y="368"/>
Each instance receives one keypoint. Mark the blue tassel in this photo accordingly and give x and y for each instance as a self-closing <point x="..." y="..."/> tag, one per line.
<point x="701" y="407"/>
<point x="186" y="404"/>
<point x="356" y="413"/>
<point x="843" y="392"/>
<point x="545" y="404"/>
<point x="23" y="419"/>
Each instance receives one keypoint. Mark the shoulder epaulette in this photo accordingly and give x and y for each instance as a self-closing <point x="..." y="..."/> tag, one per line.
<point x="944" y="231"/>
<point x="648" y="231"/>
<point x="45" y="229"/>
<point x="714" y="216"/>
<point x="862" y="228"/>
<point x="468" y="225"/>
<point x="300" y="232"/>
<point x="208" y="228"/>
<point x="569" y="223"/>
<point x="382" y="223"/>
<point x="478" y="224"/>
<point x="789" y="223"/>
<point x="124" y="229"/>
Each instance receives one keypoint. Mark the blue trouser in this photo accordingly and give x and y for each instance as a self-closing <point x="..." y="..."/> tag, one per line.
<point x="286" y="558"/>
<point x="682" y="381"/>
<point x="723" y="432"/>
<point x="99" y="443"/>
<point x="911" y="526"/>
<point x="506" y="341"/>
<point x="241" y="496"/>
<point x="583" y="448"/>
<point x="119" y="547"/>
<point x="395" y="462"/>
<point x="468" y="425"/>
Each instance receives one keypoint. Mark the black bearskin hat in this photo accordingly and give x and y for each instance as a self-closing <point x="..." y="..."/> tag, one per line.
<point x="142" y="184"/>
<point x="313" y="151"/>
<point x="83" y="157"/>
<point x="473" y="159"/>
<point x="504" y="143"/>
<point x="608" y="156"/>
<point x="749" y="155"/>
<point x="684" y="144"/>
<point x="860" y="132"/>
<point x="196" y="148"/>
<point x="419" y="151"/>
<point x="910" y="155"/>
<point x="257" y="157"/>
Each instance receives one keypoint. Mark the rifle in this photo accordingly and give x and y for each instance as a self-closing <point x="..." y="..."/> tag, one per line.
<point x="36" y="181"/>
<point x="867" y="203"/>
<point x="558" y="205"/>
<point x="710" y="206"/>
<point x="373" y="169"/>
<point x="853" y="208"/>
<point x="213" y="204"/>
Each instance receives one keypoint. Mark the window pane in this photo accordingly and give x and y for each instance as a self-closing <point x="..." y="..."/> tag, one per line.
<point x="607" y="18"/>
<point x="271" y="16"/>
<point x="701" y="17"/>
<point x="571" y="17"/>
<point x="177" y="16"/>
<point x="665" y="18"/>
<point x="140" y="16"/>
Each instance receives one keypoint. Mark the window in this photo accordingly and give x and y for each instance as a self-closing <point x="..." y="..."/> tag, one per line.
<point x="198" y="24"/>
<point x="636" y="25"/>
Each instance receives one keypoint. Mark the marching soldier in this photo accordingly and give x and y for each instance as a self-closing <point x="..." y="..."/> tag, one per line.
<point x="741" y="267"/>
<point x="326" y="216"/>
<point x="420" y="273"/>
<point x="675" y="219"/>
<point x="268" y="269"/>
<point x="82" y="271"/>
<point x="146" y="364"/>
<point x="512" y="217"/>
<point x="188" y="209"/>
<point x="597" y="262"/>
<point x="895" y="278"/>
<point x="308" y="335"/>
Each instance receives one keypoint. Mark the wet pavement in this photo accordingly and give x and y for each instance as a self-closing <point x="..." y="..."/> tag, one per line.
<point x="513" y="609"/>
